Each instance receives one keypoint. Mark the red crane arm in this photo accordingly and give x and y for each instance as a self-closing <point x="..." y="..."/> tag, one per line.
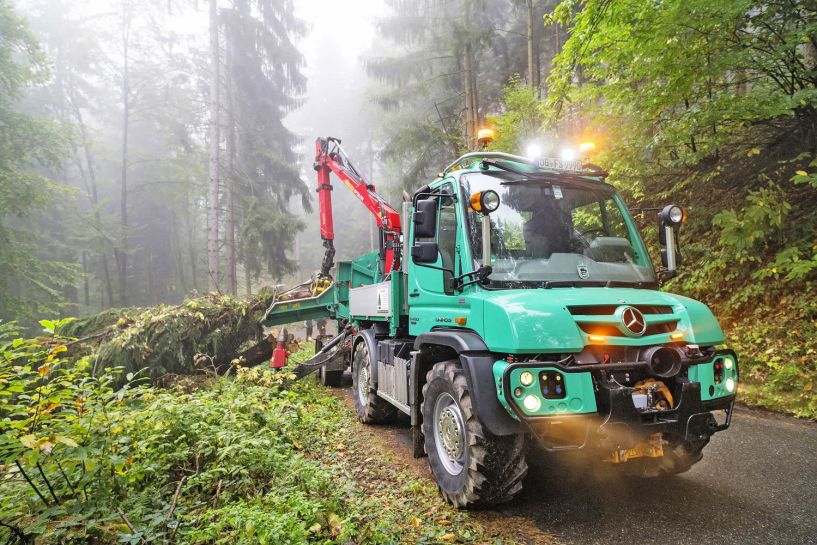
<point x="330" y="157"/>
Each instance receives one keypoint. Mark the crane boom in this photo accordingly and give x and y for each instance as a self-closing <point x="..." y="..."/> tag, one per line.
<point x="330" y="157"/>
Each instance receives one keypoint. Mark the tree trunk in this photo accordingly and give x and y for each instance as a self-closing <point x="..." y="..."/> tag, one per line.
<point x="533" y="50"/>
<point x="229" y="182"/>
<point x="248" y="279"/>
<point x="93" y="195"/>
<point x="212" y="193"/>
<point x="121" y="253"/>
<point x="85" y="273"/>
<point x="470" y="117"/>
<point x="178" y="254"/>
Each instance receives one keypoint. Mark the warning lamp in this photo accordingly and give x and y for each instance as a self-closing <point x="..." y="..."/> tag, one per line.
<point x="484" y="202"/>
<point x="485" y="137"/>
<point x="586" y="148"/>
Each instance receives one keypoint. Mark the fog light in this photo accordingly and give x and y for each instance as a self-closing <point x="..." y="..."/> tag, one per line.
<point x="526" y="378"/>
<point x="532" y="404"/>
<point x="728" y="363"/>
<point x="730" y="385"/>
<point x="518" y="392"/>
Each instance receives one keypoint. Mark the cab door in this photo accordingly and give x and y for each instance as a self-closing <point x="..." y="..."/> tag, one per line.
<point x="433" y="302"/>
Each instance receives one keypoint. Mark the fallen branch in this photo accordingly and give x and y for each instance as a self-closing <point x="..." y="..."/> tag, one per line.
<point x="129" y="525"/>
<point x="175" y="497"/>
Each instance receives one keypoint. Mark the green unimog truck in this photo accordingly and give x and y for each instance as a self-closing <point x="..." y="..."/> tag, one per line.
<point x="516" y="302"/>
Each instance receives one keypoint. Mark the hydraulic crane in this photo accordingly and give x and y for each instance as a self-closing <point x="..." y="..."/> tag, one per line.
<point x="330" y="157"/>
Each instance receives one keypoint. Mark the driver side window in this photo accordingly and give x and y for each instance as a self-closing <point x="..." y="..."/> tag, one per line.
<point x="447" y="235"/>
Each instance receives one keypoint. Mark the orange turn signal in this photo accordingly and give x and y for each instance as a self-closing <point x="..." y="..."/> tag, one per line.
<point x="596" y="338"/>
<point x="460" y="320"/>
<point x="677" y="336"/>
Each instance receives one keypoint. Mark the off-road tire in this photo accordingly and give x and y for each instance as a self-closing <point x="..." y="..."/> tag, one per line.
<point x="679" y="456"/>
<point x="332" y="379"/>
<point x="493" y="467"/>
<point x="370" y="408"/>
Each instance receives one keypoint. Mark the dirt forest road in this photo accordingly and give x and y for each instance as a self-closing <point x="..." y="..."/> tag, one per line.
<point x="757" y="484"/>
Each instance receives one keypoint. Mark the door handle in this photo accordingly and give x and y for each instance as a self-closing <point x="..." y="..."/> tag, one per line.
<point x="415" y="293"/>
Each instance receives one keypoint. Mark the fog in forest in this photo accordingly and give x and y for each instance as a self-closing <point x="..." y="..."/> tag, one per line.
<point x="153" y="149"/>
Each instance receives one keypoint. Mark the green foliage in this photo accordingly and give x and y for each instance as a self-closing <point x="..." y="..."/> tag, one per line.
<point x="521" y="120"/>
<point x="30" y="282"/>
<point x="258" y="459"/>
<point x="91" y="451"/>
<point x="680" y="79"/>
<point x="743" y="231"/>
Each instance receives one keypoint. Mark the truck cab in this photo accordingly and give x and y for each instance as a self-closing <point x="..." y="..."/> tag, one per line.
<point x="521" y="306"/>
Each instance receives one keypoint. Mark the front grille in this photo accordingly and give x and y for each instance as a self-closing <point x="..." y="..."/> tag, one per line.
<point x="612" y="331"/>
<point x="605" y="310"/>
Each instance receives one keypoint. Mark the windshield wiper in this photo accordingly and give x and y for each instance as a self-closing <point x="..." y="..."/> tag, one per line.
<point x="489" y="163"/>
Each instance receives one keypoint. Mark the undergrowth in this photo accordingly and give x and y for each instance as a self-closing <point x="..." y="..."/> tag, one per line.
<point x="255" y="459"/>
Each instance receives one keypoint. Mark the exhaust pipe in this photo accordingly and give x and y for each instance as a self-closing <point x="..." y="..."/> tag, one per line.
<point x="664" y="362"/>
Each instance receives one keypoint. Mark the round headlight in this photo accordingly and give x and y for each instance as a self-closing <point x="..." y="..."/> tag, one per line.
<point x="489" y="201"/>
<point x="730" y="385"/>
<point x="676" y="214"/>
<point x="728" y="363"/>
<point x="672" y="214"/>
<point x="526" y="378"/>
<point x="532" y="403"/>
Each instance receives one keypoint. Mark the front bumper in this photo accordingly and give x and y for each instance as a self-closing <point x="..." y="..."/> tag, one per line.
<point x="602" y="414"/>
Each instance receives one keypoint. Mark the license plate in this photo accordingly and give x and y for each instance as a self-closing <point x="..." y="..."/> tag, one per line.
<point x="560" y="164"/>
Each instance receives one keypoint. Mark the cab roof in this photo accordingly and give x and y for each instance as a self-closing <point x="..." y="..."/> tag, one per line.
<point x="490" y="160"/>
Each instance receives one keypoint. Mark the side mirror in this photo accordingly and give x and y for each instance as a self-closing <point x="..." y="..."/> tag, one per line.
<point x="425" y="219"/>
<point x="425" y="252"/>
<point x="669" y="225"/>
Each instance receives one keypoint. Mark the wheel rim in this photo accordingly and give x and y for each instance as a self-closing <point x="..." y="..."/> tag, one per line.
<point x="363" y="381"/>
<point x="449" y="433"/>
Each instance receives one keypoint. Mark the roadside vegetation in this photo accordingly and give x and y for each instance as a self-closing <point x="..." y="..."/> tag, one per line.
<point x="252" y="458"/>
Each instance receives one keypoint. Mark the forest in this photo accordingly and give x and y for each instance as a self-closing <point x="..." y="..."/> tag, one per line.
<point x="156" y="168"/>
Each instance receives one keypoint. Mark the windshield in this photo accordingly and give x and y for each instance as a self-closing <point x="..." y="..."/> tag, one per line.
<point x="556" y="232"/>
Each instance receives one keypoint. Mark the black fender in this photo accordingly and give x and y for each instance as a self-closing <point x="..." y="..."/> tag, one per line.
<point x="477" y="364"/>
<point x="368" y="336"/>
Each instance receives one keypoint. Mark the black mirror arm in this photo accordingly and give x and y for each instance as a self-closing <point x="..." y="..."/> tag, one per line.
<point x="481" y="274"/>
<point x="435" y="267"/>
<point x="665" y="275"/>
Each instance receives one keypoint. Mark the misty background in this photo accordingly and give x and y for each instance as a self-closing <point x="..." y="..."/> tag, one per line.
<point x="169" y="144"/>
